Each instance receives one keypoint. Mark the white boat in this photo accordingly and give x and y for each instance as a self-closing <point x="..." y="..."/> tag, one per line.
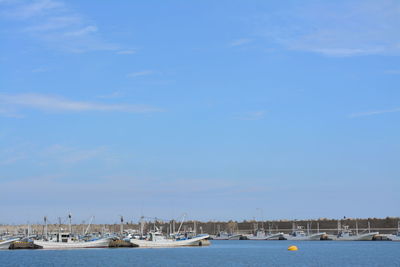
<point x="300" y="235"/>
<point x="349" y="236"/>
<point x="5" y="244"/>
<point x="261" y="235"/>
<point x="226" y="236"/>
<point x="345" y="234"/>
<point x="276" y="236"/>
<point x="396" y="236"/>
<point x="158" y="240"/>
<point x="65" y="241"/>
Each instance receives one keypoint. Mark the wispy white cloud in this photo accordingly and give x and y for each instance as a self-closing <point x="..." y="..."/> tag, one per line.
<point x="113" y="95"/>
<point x="11" y="156"/>
<point x="126" y="52"/>
<point x="395" y="72"/>
<point x="56" y="26"/>
<point x="375" y="112"/>
<point x="336" y="28"/>
<point x="252" y="116"/>
<point x="55" y="23"/>
<point x="58" y="154"/>
<point x="80" y="32"/>
<point x="140" y="73"/>
<point x="12" y="103"/>
<point x="25" y="10"/>
<point x="9" y="112"/>
<point x="40" y="69"/>
<point x="240" y="42"/>
<point x="72" y="155"/>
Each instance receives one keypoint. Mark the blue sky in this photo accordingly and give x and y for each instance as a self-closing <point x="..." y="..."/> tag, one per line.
<point x="214" y="108"/>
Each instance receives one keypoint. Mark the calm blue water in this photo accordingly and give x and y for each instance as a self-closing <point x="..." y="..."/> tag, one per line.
<point x="220" y="253"/>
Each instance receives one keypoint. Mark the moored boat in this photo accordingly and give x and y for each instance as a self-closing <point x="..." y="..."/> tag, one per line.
<point x="5" y="244"/>
<point x="66" y="241"/>
<point x="300" y="235"/>
<point x="158" y="240"/>
<point x="345" y="234"/>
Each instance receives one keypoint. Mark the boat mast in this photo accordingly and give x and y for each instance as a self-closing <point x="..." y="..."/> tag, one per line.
<point x="45" y="227"/>
<point x="369" y="227"/>
<point x="141" y="225"/>
<point x="87" y="228"/>
<point x="183" y="219"/>
<point x="356" y="227"/>
<point x="70" y="223"/>
<point x="121" y="227"/>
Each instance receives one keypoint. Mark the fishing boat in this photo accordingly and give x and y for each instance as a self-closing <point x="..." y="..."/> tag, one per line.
<point x="158" y="240"/>
<point x="226" y="236"/>
<point x="299" y="234"/>
<point x="395" y="236"/>
<point x="67" y="241"/>
<point x="261" y="235"/>
<point x="5" y="244"/>
<point x="345" y="234"/>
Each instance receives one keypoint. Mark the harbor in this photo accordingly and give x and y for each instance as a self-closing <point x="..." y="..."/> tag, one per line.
<point x="157" y="233"/>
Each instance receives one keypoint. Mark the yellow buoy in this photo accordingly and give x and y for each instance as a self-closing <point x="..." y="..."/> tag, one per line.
<point x="293" y="248"/>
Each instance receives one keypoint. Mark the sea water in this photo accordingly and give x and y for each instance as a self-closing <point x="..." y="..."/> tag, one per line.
<point x="220" y="253"/>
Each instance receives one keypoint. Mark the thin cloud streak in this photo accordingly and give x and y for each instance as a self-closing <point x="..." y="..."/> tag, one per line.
<point x="33" y="9"/>
<point x="252" y="116"/>
<point x="126" y="52"/>
<point x="240" y="42"/>
<point x="55" y="25"/>
<point x="345" y="28"/>
<point x="393" y="72"/>
<point x="376" y="112"/>
<point x="140" y="73"/>
<point x="55" y="103"/>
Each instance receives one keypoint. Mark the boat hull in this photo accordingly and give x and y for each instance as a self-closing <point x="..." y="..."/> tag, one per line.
<point x="312" y="237"/>
<point x="6" y="244"/>
<point x="362" y="237"/>
<point x="101" y="243"/>
<point x="394" y="237"/>
<point x="196" y="241"/>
